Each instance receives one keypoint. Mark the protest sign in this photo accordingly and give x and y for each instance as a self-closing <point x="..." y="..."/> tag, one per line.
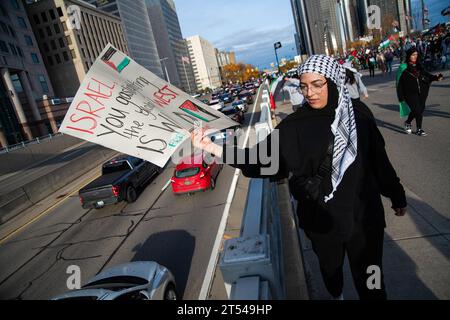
<point x="123" y="106"/>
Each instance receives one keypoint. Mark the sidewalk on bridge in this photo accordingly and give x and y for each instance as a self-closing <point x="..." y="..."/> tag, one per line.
<point x="416" y="246"/>
<point x="293" y="265"/>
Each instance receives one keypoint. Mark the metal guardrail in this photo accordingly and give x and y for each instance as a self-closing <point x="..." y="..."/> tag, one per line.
<point x="253" y="263"/>
<point x="24" y="144"/>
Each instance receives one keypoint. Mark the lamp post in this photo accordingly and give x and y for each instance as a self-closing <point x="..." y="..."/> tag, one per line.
<point x="276" y="46"/>
<point x="165" y="68"/>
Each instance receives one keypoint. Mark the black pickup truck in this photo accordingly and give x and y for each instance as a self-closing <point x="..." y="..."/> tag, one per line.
<point x="121" y="178"/>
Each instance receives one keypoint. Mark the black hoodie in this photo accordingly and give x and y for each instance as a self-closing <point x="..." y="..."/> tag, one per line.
<point x="303" y="140"/>
<point x="415" y="81"/>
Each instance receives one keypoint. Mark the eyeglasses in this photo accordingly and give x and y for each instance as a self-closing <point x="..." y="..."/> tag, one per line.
<point x="316" y="87"/>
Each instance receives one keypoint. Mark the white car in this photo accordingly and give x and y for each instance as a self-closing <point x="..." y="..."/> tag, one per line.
<point x="216" y="104"/>
<point x="240" y="104"/>
<point x="139" y="280"/>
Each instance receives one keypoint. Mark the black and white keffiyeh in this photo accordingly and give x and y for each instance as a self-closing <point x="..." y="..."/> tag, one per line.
<point x="344" y="125"/>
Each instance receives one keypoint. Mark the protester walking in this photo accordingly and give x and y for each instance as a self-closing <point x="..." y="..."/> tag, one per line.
<point x="335" y="156"/>
<point x="389" y="57"/>
<point x="371" y="63"/>
<point x="292" y="85"/>
<point x="413" y="84"/>
<point x="354" y="84"/>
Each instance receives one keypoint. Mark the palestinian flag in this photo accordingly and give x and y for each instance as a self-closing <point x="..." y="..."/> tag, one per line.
<point x="386" y="43"/>
<point x="403" y="106"/>
<point x="351" y="56"/>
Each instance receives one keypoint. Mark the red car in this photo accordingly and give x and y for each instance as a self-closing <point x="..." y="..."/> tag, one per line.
<point x="194" y="174"/>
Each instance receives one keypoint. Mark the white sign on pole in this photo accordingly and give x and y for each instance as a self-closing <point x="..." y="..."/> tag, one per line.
<point x="125" y="107"/>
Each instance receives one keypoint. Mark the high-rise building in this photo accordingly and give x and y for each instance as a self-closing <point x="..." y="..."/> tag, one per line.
<point x="319" y="26"/>
<point x="172" y="48"/>
<point x="395" y="14"/>
<point x="24" y="79"/>
<point x="204" y="63"/>
<point x="427" y="13"/>
<point x="137" y="29"/>
<point x="303" y="35"/>
<point x="224" y="58"/>
<point x="69" y="49"/>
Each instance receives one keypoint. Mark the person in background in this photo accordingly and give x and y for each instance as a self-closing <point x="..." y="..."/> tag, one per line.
<point x="354" y="84"/>
<point x="389" y="57"/>
<point x="371" y="62"/>
<point x="292" y="85"/>
<point x="412" y="88"/>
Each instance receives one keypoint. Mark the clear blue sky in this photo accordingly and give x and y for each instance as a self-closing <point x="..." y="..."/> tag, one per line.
<point x="247" y="27"/>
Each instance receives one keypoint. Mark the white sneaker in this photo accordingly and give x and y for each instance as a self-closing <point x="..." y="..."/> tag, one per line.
<point x="408" y="129"/>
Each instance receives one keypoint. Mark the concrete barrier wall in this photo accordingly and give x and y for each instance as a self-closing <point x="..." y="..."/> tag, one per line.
<point x="33" y="153"/>
<point x="17" y="200"/>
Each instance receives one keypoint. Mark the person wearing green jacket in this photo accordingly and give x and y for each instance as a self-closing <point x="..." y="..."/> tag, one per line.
<point x="413" y="84"/>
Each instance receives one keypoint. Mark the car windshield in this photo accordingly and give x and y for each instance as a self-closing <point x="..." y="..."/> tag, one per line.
<point x="116" y="167"/>
<point x="116" y="283"/>
<point x="236" y="103"/>
<point x="188" y="172"/>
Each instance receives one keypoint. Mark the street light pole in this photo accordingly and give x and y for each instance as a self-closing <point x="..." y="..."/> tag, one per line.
<point x="276" y="46"/>
<point x="165" y="68"/>
<point x="185" y="73"/>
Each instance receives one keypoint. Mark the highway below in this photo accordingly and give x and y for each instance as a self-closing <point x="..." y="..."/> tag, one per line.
<point x="178" y="232"/>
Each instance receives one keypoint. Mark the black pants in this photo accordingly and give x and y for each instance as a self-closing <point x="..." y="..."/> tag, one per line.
<point x="417" y="105"/>
<point x="372" y="70"/>
<point x="364" y="248"/>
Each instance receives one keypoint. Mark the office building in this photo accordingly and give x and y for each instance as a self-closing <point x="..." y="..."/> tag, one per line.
<point x="204" y="63"/>
<point x="71" y="42"/>
<point x="137" y="30"/>
<point x="172" y="48"/>
<point x="24" y="79"/>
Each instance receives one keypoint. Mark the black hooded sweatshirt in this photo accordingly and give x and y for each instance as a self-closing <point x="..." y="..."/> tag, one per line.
<point x="304" y="137"/>
<point x="414" y="83"/>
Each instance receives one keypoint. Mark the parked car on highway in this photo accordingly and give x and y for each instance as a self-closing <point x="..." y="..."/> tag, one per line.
<point x="120" y="180"/>
<point x="251" y="88"/>
<point x="193" y="174"/>
<point x="226" y="98"/>
<point x="246" y="96"/>
<point x="240" y="104"/>
<point x="139" y="280"/>
<point x="216" y="104"/>
<point x="234" y="113"/>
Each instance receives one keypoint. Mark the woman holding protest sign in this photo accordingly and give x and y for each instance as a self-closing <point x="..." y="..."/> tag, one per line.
<point x="334" y="155"/>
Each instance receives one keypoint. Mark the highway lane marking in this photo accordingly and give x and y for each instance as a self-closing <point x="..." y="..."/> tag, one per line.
<point x="45" y="212"/>
<point x="166" y="185"/>
<point x="207" y="281"/>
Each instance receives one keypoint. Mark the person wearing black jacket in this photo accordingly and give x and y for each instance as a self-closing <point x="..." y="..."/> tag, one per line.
<point x="413" y="87"/>
<point x="336" y="147"/>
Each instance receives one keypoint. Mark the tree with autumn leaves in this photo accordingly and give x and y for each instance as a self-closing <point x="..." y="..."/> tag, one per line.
<point x="239" y="72"/>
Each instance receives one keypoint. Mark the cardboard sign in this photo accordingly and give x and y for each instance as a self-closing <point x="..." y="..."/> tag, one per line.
<point x="123" y="106"/>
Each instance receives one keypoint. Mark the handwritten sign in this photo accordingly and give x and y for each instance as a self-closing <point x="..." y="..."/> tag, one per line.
<point x="125" y="107"/>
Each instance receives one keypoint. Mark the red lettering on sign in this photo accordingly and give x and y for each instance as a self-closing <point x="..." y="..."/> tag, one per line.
<point x="88" y="130"/>
<point x="88" y="109"/>
<point x="96" y="93"/>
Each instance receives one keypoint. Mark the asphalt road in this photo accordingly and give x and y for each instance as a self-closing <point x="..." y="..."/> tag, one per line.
<point x="175" y="231"/>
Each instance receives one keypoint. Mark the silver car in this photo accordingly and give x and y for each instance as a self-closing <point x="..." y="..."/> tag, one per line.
<point x="140" y="280"/>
